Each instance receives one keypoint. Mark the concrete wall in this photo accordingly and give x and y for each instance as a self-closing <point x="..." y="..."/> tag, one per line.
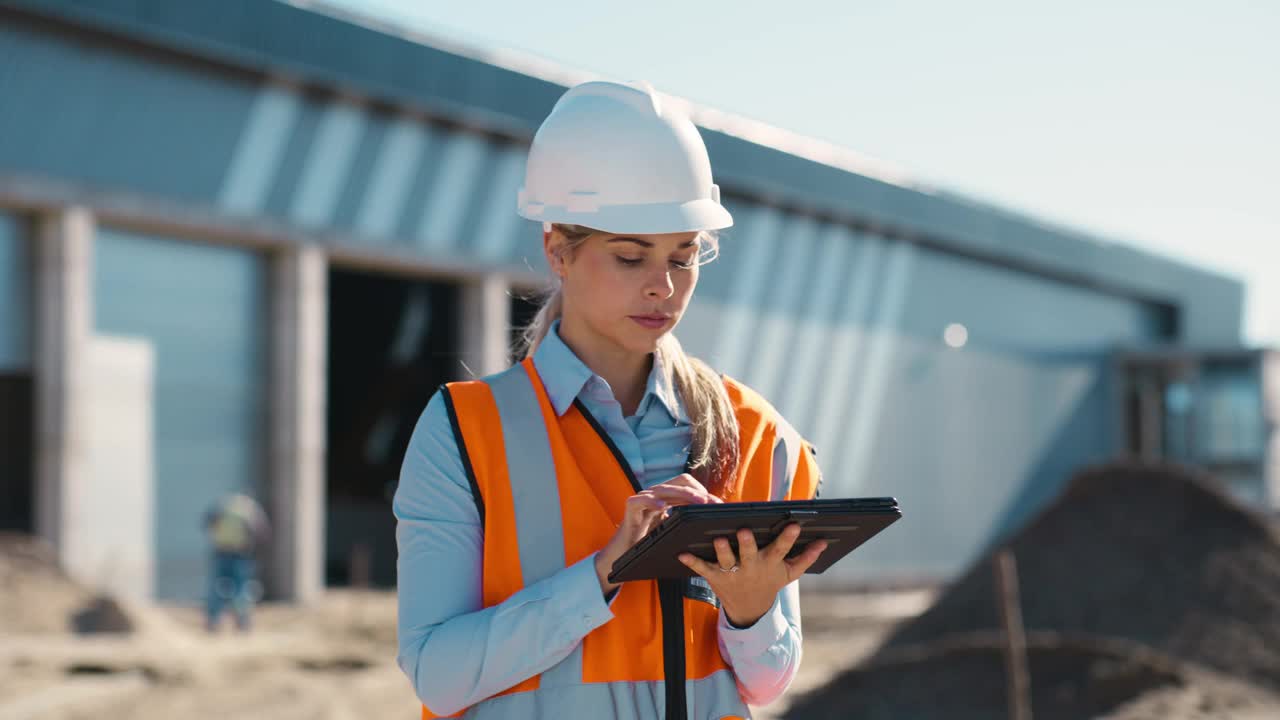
<point x="111" y="543"/>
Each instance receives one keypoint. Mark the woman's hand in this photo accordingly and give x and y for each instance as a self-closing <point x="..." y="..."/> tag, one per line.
<point x="645" y="510"/>
<point x="748" y="584"/>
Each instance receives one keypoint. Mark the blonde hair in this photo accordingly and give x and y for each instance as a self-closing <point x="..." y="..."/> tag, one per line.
<point x="713" y="453"/>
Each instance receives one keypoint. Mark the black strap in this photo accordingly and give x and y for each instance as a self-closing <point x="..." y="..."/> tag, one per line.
<point x="462" y="452"/>
<point x="671" y="601"/>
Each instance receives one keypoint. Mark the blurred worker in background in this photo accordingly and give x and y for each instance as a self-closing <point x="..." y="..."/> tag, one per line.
<point x="236" y="527"/>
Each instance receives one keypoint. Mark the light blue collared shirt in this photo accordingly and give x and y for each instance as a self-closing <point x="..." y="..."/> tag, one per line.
<point x="457" y="652"/>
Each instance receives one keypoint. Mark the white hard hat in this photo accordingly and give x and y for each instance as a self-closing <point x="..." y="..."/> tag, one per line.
<point x="612" y="158"/>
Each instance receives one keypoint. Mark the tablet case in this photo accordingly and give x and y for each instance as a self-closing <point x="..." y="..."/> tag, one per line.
<point x="843" y="523"/>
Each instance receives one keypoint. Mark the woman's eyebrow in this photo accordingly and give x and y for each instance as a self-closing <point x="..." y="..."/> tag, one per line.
<point x="637" y="241"/>
<point x="647" y="244"/>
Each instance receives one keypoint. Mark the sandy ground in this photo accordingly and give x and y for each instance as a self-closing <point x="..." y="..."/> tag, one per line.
<point x="1178" y="618"/>
<point x="335" y="661"/>
<point x="332" y="661"/>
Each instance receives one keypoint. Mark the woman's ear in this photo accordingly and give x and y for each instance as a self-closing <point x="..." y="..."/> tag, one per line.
<point x="553" y="248"/>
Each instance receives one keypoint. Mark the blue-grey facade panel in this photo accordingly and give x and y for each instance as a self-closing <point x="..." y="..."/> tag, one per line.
<point x="357" y="162"/>
<point x="96" y="115"/>
<point x="16" y="270"/>
<point x="971" y="438"/>
<point x="110" y="119"/>
<point x="192" y="118"/>
<point x="267" y="35"/>
<point x="203" y="310"/>
<point x="964" y="227"/>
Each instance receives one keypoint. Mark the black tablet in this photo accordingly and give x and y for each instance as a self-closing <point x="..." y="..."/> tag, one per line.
<point x="844" y="524"/>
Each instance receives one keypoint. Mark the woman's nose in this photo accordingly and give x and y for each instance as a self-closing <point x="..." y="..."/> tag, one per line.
<point x="661" y="288"/>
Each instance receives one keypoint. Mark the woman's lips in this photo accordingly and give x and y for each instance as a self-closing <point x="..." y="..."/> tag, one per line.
<point x="653" y="322"/>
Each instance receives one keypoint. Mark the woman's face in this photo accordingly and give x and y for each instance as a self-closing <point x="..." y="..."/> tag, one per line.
<point x="629" y="290"/>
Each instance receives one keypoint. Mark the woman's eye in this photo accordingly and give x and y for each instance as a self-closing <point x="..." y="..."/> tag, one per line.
<point x="630" y="262"/>
<point x="682" y="264"/>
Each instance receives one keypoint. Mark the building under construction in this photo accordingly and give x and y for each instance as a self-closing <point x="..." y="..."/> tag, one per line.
<point x="241" y="243"/>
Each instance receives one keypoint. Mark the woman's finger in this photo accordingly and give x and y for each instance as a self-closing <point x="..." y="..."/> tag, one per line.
<point x="799" y="564"/>
<point x="652" y="522"/>
<point x="655" y="517"/>
<point x="689" y="481"/>
<point x="680" y="495"/>
<point x="646" y="500"/>
<point x="641" y="507"/>
<point x="700" y="566"/>
<point x="685" y="480"/>
<point x="724" y="553"/>
<point x="747" y="549"/>
<point x="782" y="544"/>
<point x="664" y="491"/>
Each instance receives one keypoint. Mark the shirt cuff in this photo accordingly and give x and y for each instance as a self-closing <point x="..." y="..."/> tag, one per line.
<point x="584" y="604"/>
<point x="756" y="639"/>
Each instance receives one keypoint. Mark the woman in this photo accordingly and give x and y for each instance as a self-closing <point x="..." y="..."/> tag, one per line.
<point x="520" y="490"/>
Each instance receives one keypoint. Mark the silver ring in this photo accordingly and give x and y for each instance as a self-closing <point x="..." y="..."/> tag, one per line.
<point x="732" y="569"/>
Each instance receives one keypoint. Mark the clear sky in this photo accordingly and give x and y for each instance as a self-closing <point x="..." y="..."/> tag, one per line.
<point x="1146" y="122"/>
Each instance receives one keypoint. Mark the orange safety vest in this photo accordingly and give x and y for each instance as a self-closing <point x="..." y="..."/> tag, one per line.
<point x="569" y="500"/>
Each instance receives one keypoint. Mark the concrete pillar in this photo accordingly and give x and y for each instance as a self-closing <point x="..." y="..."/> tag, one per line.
<point x="1270" y="370"/>
<point x="296" y="496"/>
<point x="485" y="327"/>
<point x="64" y="314"/>
<point x="1150" y="418"/>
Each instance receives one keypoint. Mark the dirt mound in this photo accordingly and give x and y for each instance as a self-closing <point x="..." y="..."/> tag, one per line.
<point x="1146" y="591"/>
<point x="38" y="597"/>
<point x="961" y="677"/>
<point x="1157" y="555"/>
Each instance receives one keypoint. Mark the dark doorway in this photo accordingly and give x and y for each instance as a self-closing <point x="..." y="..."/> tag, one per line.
<point x="392" y="342"/>
<point x="17" y="484"/>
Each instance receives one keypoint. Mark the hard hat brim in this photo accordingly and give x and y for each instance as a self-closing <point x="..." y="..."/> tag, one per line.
<point x="647" y="219"/>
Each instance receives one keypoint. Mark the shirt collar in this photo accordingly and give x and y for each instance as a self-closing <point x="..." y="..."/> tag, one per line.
<point x="661" y="388"/>
<point x="564" y="376"/>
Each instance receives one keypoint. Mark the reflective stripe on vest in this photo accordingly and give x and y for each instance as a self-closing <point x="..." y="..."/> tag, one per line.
<point x="553" y="516"/>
